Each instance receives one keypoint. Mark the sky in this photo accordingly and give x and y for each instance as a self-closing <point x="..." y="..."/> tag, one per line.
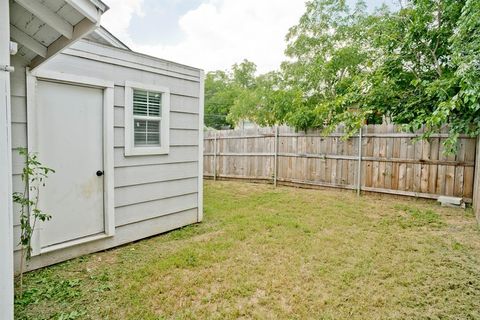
<point x="208" y="34"/>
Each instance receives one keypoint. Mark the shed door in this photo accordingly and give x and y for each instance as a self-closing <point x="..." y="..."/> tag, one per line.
<point x="70" y="141"/>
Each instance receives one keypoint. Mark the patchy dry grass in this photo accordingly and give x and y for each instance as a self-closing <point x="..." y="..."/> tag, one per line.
<point x="283" y="253"/>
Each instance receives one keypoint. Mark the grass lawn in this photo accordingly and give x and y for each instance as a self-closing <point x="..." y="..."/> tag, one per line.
<point x="282" y="253"/>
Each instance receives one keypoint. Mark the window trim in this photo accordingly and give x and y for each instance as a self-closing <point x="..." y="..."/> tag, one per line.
<point x="130" y="148"/>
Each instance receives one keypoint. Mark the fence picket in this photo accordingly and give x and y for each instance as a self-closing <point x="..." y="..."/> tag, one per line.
<point x="383" y="160"/>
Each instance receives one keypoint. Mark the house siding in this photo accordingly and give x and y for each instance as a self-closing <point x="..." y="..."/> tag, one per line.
<point x="152" y="193"/>
<point x="19" y="133"/>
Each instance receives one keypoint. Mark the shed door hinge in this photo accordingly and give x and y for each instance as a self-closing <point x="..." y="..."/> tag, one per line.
<point x="7" y="68"/>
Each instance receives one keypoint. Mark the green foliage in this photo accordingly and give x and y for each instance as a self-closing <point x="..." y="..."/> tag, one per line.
<point x="328" y="53"/>
<point x="50" y="289"/>
<point x="415" y="83"/>
<point x="224" y="89"/>
<point x="34" y="176"/>
<point x="268" y="103"/>
<point x="239" y="95"/>
<point x="418" y="66"/>
<point x="243" y="74"/>
<point x="218" y="99"/>
<point x="462" y="109"/>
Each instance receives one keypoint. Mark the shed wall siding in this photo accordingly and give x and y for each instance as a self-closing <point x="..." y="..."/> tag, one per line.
<point x="19" y="133"/>
<point x="153" y="194"/>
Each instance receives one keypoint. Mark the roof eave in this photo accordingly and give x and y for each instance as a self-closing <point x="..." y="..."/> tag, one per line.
<point x="100" y="5"/>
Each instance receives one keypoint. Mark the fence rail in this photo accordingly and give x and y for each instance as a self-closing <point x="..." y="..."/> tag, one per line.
<point x="380" y="158"/>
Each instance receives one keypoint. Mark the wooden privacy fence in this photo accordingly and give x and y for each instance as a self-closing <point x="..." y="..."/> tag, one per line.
<point x="379" y="159"/>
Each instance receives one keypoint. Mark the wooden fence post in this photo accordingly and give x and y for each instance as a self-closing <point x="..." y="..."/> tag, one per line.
<point x="359" y="169"/>
<point x="215" y="156"/>
<point x="476" y="183"/>
<point x="275" y="157"/>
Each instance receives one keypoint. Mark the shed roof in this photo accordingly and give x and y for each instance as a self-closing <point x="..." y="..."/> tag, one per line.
<point x="43" y="28"/>
<point x="103" y="36"/>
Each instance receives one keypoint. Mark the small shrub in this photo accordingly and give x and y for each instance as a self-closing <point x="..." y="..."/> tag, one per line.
<point x="34" y="176"/>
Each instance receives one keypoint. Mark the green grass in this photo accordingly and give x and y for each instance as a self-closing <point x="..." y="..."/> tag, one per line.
<point x="284" y="253"/>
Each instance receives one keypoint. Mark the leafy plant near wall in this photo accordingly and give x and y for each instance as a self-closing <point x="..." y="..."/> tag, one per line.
<point x="34" y="176"/>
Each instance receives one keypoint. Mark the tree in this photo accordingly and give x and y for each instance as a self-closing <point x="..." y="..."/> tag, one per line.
<point x="223" y="89"/>
<point x="267" y="103"/>
<point x="418" y="66"/>
<point x="461" y="109"/>
<point x="218" y="99"/>
<point x="416" y="83"/>
<point x="243" y="74"/>
<point x="327" y="51"/>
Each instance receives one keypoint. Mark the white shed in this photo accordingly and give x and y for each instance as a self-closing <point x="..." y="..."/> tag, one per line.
<point x="122" y="130"/>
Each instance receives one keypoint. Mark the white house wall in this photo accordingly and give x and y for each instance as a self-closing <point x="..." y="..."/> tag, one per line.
<point x="6" y="261"/>
<point x="153" y="194"/>
<point x="19" y="131"/>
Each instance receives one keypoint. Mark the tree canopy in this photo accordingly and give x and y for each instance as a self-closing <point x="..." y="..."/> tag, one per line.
<point x="418" y="66"/>
<point x="224" y="89"/>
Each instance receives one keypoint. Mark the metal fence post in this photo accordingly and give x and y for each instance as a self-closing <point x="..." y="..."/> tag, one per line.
<point x="215" y="156"/>
<point x="359" y="169"/>
<point x="275" y="158"/>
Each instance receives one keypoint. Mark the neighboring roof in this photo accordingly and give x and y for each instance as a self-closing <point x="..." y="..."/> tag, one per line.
<point x="43" y="28"/>
<point x="103" y="36"/>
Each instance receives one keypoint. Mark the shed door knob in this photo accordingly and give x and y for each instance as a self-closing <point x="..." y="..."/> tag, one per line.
<point x="99" y="173"/>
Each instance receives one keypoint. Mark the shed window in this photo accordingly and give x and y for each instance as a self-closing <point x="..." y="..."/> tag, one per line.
<point x="146" y="119"/>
